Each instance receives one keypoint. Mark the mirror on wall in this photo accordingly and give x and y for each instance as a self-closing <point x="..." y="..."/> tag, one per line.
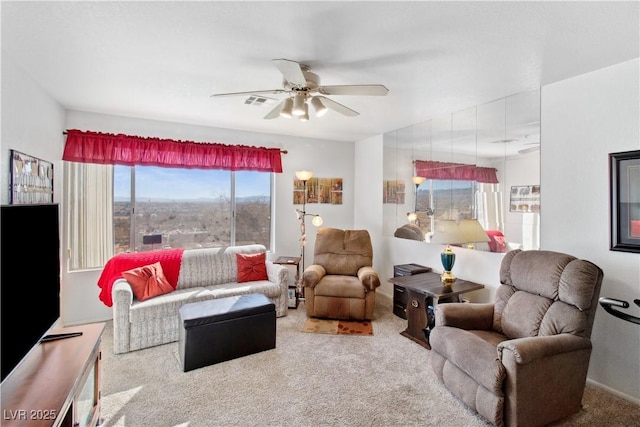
<point x="481" y="163"/>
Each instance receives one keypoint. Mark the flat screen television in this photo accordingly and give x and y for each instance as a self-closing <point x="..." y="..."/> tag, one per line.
<point x="29" y="279"/>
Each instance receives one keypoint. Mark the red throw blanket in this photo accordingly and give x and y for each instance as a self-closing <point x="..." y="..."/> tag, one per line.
<point x="170" y="260"/>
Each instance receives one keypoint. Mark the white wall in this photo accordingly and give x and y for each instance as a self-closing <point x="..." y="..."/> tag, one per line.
<point x="368" y="193"/>
<point x="583" y="120"/>
<point x="32" y="123"/>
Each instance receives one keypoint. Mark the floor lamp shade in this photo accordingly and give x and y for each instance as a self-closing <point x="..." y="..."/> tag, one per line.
<point x="304" y="175"/>
<point x="417" y="180"/>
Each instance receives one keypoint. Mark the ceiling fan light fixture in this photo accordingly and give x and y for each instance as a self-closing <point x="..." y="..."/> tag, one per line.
<point x="302" y="85"/>
<point x="320" y="108"/>
<point x="299" y="105"/>
<point x="287" y="108"/>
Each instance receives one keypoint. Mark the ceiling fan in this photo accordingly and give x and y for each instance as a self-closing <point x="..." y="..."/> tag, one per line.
<point x="533" y="142"/>
<point x="303" y="88"/>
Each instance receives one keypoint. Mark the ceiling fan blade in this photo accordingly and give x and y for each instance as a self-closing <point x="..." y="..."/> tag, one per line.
<point x="528" y="150"/>
<point x="255" y="92"/>
<point x="330" y="103"/>
<point x="373" y="90"/>
<point x="275" y="113"/>
<point x="291" y="71"/>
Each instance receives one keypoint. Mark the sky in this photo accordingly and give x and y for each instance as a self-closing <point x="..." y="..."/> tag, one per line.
<point x="169" y="183"/>
<point x="182" y="184"/>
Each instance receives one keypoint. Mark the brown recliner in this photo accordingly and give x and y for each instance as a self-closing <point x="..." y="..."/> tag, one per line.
<point x="523" y="360"/>
<point x="341" y="282"/>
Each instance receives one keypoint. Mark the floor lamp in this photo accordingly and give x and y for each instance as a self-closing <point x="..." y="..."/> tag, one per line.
<point x="413" y="216"/>
<point x="304" y="176"/>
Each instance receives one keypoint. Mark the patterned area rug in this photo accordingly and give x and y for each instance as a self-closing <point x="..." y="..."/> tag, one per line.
<point x="338" y="327"/>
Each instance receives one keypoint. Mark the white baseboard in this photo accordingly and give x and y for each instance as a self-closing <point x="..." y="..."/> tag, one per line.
<point x="86" y="321"/>
<point x="613" y="391"/>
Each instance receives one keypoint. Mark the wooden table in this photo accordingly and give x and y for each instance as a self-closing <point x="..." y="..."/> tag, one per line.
<point x="424" y="292"/>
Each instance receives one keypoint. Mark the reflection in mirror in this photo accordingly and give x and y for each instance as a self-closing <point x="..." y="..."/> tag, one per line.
<point x="481" y="167"/>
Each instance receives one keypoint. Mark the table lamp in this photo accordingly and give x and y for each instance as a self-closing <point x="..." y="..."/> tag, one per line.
<point x="447" y="232"/>
<point x="472" y="232"/>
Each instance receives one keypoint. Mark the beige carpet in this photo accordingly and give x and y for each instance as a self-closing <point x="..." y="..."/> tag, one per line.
<point x="337" y="327"/>
<point x="307" y="380"/>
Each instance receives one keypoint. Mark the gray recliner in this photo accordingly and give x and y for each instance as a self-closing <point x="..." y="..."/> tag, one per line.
<point x="523" y="360"/>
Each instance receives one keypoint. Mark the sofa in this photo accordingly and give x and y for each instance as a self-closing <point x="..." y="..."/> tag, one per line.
<point x="198" y="275"/>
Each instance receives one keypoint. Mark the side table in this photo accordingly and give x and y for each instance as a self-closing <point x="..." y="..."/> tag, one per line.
<point x="399" y="293"/>
<point x="424" y="292"/>
<point x="294" y="296"/>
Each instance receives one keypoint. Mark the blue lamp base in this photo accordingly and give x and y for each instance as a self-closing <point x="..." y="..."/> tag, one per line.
<point x="448" y="258"/>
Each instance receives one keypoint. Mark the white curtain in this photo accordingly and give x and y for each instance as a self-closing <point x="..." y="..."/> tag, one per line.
<point x="490" y="205"/>
<point x="89" y="199"/>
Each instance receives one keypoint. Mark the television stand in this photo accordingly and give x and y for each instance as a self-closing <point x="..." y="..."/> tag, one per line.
<point x="54" y="337"/>
<point x="57" y="383"/>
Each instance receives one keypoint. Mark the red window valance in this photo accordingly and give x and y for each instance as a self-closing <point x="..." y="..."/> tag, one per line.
<point x="455" y="171"/>
<point x="111" y="149"/>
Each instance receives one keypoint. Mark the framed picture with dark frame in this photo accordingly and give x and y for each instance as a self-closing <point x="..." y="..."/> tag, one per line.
<point x="624" y="197"/>
<point x="31" y="180"/>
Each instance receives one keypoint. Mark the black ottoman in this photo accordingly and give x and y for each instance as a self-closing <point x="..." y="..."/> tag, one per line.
<point x="222" y="329"/>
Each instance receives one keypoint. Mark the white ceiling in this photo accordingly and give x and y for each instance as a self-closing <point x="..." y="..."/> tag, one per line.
<point x="162" y="60"/>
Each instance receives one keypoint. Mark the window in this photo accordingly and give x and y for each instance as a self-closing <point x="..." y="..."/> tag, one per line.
<point x="155" y="207"/>
<point x="189" y="208"/>
<point x="448" y="199"/>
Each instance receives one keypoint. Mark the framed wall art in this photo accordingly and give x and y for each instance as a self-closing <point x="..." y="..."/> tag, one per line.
<point x="319" y="190"/>
<point x="524" y="198"/>
<point x="624" y="182"/>
<point x="31" y="180"/>
<point x="393" y="192"/>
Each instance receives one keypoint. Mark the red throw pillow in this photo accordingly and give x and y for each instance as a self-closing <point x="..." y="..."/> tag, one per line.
<point x="501" y="243"/>
<point x="251" y="267"/>
<point x="148" y="281"/>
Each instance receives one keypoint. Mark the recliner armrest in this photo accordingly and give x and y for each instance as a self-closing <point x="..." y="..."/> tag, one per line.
<point x="312" y="275"/>
<point x="369" y="278"/>
<point x="528" y="349"/>
<point x="465" y="315"/>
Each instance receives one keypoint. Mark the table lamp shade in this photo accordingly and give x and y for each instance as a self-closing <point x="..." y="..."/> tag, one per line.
<point x="472" y="232"/>
<point x="447" y="232"/>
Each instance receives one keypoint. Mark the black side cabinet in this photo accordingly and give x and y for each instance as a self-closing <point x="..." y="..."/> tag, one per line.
<point x="399" y="293"/>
